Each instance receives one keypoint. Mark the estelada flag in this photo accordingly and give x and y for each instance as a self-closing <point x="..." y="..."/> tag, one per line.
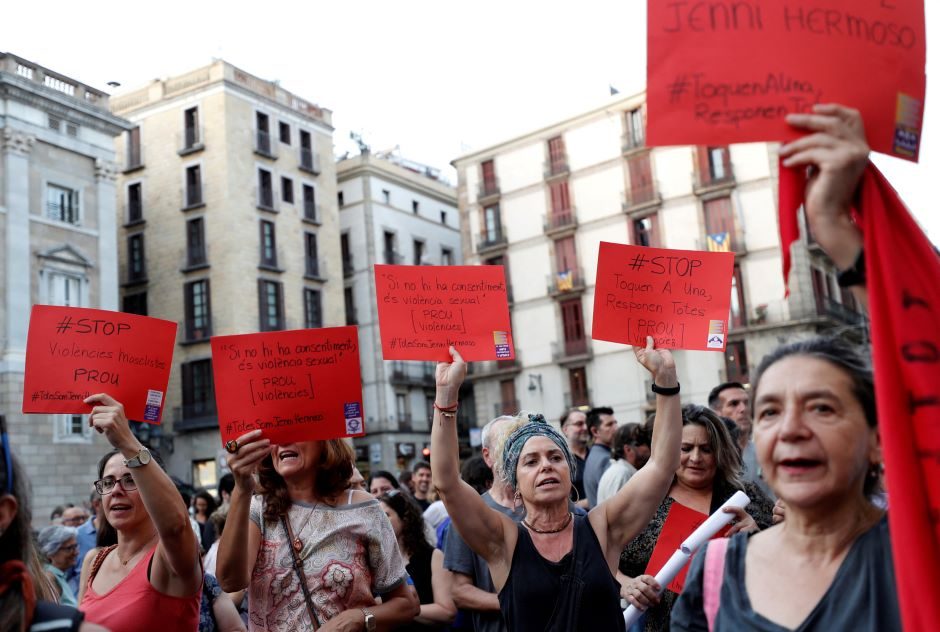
<point x="903" y="272"/>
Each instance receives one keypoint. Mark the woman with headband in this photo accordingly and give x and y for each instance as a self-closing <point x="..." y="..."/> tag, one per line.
<point x="554" y="571"/>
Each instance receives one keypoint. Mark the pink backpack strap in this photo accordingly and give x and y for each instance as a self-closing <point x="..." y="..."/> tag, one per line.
<point x="713" y="576"/>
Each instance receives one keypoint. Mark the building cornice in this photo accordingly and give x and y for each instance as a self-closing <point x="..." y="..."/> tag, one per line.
<point x="366" y="164"/>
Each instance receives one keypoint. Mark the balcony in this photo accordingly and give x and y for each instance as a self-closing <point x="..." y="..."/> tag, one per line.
<point x="558" y="223"/>
<point x="412" y="373"/>
<point x="193" y="196"/>
<point x="315" y="269"/>
<point x="490" y="241"/>
<point x="309" y="161"/>
<point x="488" y="189"/>
<point x="840" y="313"/>
<point x="195" y="416"/>
<point x="263" y="145"/>
<point x="721" y="242"/>
<point x="134" y="158"/>
<point x="565" y="284"/>
<point x="631" y="144"/>
<point x="556" y="168"/>
<point x="190" y="141"/>
<point x="495" y="368"/>
<point x="348" y="269"/>
<point x="392" y="257"/>
<point x="571" y="351"/>
<point x="710" y="185"/>
<point x="642" y="198"/>
<point x="506" y="407"/>
<point x="351" y="317"/>
<point x="403" y="421"/>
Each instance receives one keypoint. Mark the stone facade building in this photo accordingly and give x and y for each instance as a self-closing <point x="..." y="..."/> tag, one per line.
<point x="59" y="234"/>
<point x="397" y="212"/>
<point x="540" y="204"/>
<point x="227" y="202"/>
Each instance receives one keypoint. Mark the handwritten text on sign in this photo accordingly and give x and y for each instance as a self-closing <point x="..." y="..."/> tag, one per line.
<point x="74" y="352"/>
<point x="423" y="310"/>
<point x="679" y="297"/>
<point x="294" y="385"/>
<point x="729" y="71"/>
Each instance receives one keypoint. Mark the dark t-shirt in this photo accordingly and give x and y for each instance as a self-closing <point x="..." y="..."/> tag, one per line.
<point x="861" y="598"/>
<point x="424" y="504"/>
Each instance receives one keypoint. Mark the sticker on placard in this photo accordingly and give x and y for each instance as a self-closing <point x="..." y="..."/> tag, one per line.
<point x="716" y="334"/>
<point x="352" y="411"/>
<point x="152" y="407"/>
<point x="501" y="340"/>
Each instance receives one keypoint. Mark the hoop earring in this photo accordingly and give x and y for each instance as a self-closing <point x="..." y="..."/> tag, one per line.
<point x="577" y="495"/>
<point x="516" y="500"/>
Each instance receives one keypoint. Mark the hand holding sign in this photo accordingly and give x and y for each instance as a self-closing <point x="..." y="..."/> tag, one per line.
<point x="108" y="418"/>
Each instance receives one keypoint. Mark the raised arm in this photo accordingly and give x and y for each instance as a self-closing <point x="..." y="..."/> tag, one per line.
<point x="624" y="515"/>
<point x="241" y="539"/>
<point x="837" y="151"/>
<point x="481" y="527"/>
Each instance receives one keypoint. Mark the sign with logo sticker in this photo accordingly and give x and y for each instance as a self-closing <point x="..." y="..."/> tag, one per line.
<point x="425" y="309"/>
<point x="75" y="352"/>
<point x="730" y="72"/>
<point x="294" y="385"/>
<point x="681" y="298"/>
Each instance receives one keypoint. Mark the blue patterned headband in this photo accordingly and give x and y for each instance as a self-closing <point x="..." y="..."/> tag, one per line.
<point x="537" y="427"/>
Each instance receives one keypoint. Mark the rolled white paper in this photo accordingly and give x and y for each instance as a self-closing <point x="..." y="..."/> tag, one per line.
<point x="712" y="525"/>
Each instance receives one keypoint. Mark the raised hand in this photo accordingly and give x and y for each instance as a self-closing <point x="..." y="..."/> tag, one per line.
<point x="107" y="417"/>
<point x="250" y="450"/>
<point x="448" y="377"/>
<point x="659" y="362"/>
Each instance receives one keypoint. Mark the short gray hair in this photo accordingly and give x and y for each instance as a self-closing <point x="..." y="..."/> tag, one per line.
<point x="52" y="538"/>
<point x="487" y="438"/>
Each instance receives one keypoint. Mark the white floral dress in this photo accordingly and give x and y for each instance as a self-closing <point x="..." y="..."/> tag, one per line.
<point x="350" y="555"/>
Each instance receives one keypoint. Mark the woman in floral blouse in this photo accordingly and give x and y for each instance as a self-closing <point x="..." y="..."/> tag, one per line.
<point x="342" y="539"/>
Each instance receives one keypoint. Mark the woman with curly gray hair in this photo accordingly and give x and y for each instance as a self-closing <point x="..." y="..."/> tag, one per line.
<point x="554" y="571"/>
<point x="60" y="546"/>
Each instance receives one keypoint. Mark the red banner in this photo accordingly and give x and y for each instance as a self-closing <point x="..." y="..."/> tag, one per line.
<point x="423" y="310"/>
<point x="679" y="297"/>
<point x="295" y="385"/>
<point x="75" y="352"/>
<point x="680" y="523"/>
<point x="729" y="72"/>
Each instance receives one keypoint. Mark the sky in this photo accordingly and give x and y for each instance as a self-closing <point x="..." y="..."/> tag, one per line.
<point x="435" y="79"/>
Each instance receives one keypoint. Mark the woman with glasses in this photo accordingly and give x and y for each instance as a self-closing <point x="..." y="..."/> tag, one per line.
<point x="60" y="547"/>
<point x="424" y="563"/>
<point x="154" y="569"/>
<point x="709" y="473"/>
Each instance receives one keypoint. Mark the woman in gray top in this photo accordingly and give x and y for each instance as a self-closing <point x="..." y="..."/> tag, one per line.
<point x="828" y="565"/>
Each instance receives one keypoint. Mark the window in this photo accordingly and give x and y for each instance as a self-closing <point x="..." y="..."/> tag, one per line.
<point x="401" y="411"/>
<point x="556" y="155"/>
<point x="307" y="157"/>
<point x="573" y="327"/>
<point x="268" y="245"/>
<point x="714" y="165"/>
<point x="71" y="429"/>
<point x="646" y="231"/>
<point x="719" y="224"/>
<point x="418" y="252"/>
<point x="312" y="265"/>
<point x="205" y="473"/>
<point x="635" y="132"/>
<point x="198" y="311"/>
<point x="193" y="186"/>
<point x="135" y="304"/>
<point x="195" y="242"/>
<point x="350" y="305"/>
<point x="443" y="217"/>
<point x="135" y="203"/>
<point x="738" y="307"/>
<point x="488" y="170"/>
<point x="190" y="128"/>
<point x="507" y="397"/>
<point x="447" y="257"/>
<point x="133" y="148"/>
<point x="565" y="256"/>
<point x="577" y="382"/>
<point x="346" y="255"/>
<point x="340" y="200"/>
<point x="136" y="264"/>
<point x="561" y="202"/>
<point x="198" y="396"/>
<point x="270" y="305"/>
<point x="287" y="190"/>
<point x="62" y="204"/>
<point x="492" y="225"/>
<point x="265" y="190"/>
<point x="263" y="133"/>
<point x="736" y="362"/>
<point x="65" y="289"/>
<point x="414" y="206"/>
<point x="642" y="188"/>
<point x="391" y="254"/>
<point x="313" y="309"/>
<point x="386" y="196"/>
<point x="310" y="203"/>
<point x="284" y="132"/>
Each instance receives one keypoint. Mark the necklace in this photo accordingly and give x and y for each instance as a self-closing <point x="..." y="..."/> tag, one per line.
<point x="296" y="542"/>
<point x="544" y="531"/>
<point x="136" y="553"/>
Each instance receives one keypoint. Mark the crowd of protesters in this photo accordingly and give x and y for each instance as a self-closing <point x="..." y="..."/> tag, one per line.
<point x="545" y="530"/>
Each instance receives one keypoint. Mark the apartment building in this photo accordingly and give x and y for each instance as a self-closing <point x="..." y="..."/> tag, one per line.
<point x="227" y="202"/>
<point x="540" y="203"/>
<point x="392" y="211"/>
<point x="59" y="234"/>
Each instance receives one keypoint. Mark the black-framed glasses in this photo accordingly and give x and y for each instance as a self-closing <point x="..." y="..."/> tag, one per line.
<point x="106" y="485"/>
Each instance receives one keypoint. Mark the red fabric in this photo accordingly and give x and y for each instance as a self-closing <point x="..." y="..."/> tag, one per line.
<point x="15" y="572"/>
<point x="134" y="601"/>
<point x="904" y="299"/>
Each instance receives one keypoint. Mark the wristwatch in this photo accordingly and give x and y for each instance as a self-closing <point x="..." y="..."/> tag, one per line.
<point x="143" y="458"/>
<point x="370" y="620"/>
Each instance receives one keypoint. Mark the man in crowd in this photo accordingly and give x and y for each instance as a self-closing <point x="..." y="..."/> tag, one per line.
<point x="574" y="427"/>
<point x="731" y="400"/>
<point x="630" y="452"/>
<point x="473" y="588"/>
<point x="602" y="425"/>
<point x="422" y="481"/>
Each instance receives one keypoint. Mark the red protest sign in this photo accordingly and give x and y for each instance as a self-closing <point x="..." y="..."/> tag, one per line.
<point x="679" y="525"/>
<point x="294" y="385"/>
<point x="679" y="297"/>
<point x="729" y="72"/>
<point x="75" y="352"/>
<point x="423" y="310"/>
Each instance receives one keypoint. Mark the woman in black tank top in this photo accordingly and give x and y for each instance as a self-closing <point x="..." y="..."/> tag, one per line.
<point x="554" y="572"/>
